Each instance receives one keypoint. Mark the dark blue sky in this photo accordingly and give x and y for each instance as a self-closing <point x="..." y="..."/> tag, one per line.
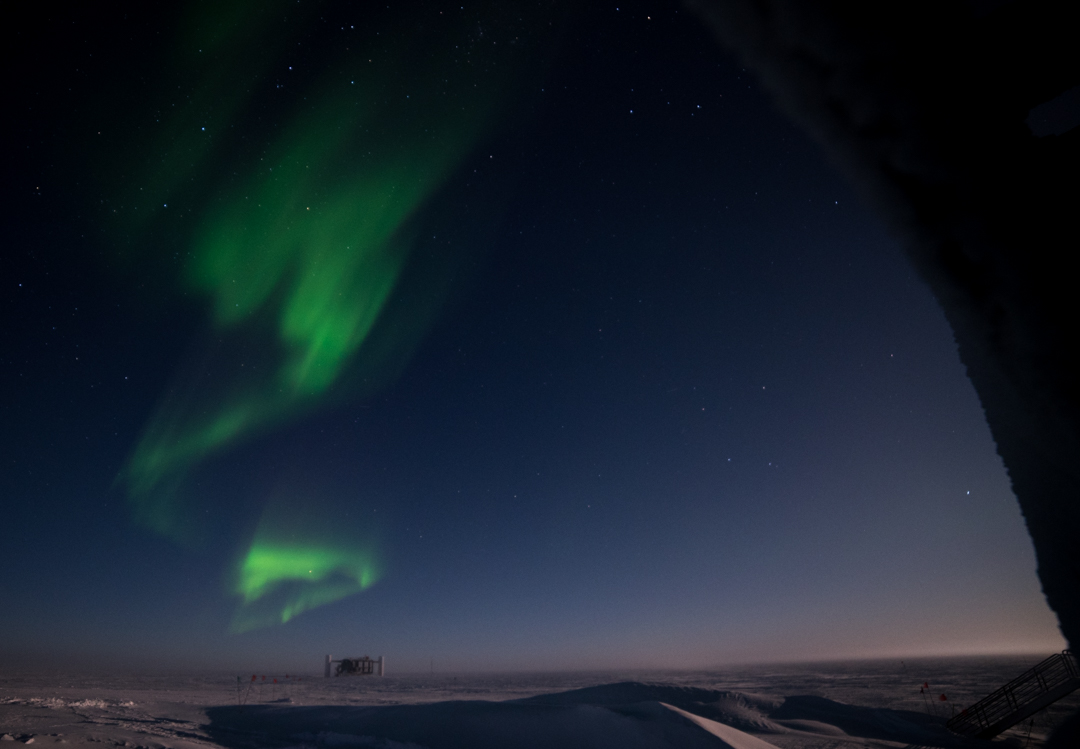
<point x="673" y="395"/>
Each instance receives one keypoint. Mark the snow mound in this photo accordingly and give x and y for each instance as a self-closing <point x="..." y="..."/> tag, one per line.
<point x="628" y="715"/>
<point x="809" y="712"/>
<point x="732" y="737"/>
<point x="480" y="725"/>
<point x="746" y="711"/>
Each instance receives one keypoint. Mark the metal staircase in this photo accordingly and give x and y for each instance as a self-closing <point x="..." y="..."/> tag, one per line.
<point x="1021" y="698"/>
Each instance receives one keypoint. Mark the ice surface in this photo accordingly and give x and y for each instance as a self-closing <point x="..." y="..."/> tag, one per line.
<point x="821" y="706"/>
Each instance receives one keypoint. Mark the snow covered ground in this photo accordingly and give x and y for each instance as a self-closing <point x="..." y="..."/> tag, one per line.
<point x="808" y="706"/>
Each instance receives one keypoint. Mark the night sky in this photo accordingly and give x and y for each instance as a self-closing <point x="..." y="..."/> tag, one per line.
<point x="486" y="337"/>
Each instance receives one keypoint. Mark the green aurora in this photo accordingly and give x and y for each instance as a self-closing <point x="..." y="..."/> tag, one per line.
<point x="299" y="560"/>
<point x="315" y="574"/>
<point x="297" y="238"/>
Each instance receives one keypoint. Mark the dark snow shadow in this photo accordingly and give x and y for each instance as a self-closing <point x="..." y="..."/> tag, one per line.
<point x="628" y="715"/>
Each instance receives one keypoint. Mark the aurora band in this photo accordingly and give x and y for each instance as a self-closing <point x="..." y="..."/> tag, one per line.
<point x="297" y="247"/>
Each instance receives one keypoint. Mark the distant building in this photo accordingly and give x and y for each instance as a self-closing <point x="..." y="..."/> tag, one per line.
<point x="362" y="666"/>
